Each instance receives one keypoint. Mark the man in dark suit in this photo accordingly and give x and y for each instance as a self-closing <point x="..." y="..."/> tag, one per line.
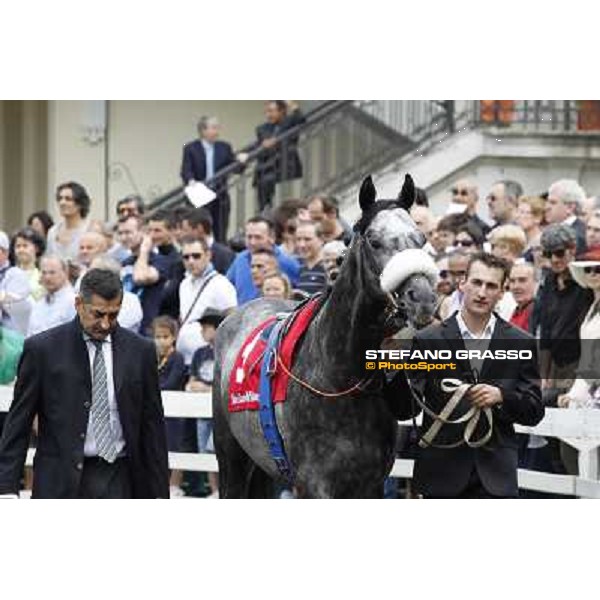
<point x="509" y="390"/>
<point x="202" y="160"/>
<point x="94" y="388"/>
<point x="279" y="160"/>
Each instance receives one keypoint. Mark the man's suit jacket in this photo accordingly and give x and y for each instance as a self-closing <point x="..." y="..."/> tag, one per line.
<point x="579" y="228"/>
<point x="193" y="165"/>
<point x="446" y="472"/>
<point x="282" y="162"/>
<point x="54" y="383"/>
<point x="222" y="257"/>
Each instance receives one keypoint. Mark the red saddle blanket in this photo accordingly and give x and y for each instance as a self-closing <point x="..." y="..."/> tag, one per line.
<point x="245" y="375"/>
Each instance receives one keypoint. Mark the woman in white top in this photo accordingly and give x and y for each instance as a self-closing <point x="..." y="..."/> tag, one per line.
<point x="28" y="245"/>
<point x="584" y="391"/>
<point x="74" y="207"/>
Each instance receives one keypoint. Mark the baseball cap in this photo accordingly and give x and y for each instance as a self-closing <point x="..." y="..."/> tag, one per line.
<point x="212" y="316"/>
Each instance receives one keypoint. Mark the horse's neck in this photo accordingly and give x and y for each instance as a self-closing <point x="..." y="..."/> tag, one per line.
<point x="349" y="324"/>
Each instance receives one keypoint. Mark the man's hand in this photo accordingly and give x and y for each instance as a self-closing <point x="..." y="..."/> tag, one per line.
<point x="563" y="401"/>
<point x="483" y="395"/>
<point x="269" y="143"/>
<point x="242" y="157"/>
<point x="197" y="386"/>
<point x="147" y="245"/>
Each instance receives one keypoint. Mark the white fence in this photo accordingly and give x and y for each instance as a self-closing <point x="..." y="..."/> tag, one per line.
<point x="578" y="428"/>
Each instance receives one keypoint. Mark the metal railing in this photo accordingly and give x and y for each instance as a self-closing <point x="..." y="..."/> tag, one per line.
<point x="337" y="144"/>
<point x="342" y="141"/>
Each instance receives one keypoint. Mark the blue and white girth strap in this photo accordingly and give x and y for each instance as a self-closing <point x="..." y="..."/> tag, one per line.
<point x="266" y="411"/>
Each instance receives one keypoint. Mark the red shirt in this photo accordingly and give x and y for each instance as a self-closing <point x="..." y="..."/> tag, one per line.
<point x="520" y="318"/>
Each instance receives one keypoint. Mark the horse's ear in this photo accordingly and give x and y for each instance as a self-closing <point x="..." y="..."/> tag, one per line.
<point x="406" y="197"/>
<point x="367" y="194"/>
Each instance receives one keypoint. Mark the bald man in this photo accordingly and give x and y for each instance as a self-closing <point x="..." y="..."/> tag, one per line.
<point x="91" y="245"/>
<point x="466" y="192"/>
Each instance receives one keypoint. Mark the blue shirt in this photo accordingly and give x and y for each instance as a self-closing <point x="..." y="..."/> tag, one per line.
<point x="240" y="275"/>
<point x="209" y="151"/>
<point x="150" y="296"/>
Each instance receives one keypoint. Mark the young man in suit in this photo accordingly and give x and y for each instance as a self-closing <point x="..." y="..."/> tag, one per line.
<point x="94" y="388"/>
<point x="509" y="388"/>
<point x="202" y="160"/>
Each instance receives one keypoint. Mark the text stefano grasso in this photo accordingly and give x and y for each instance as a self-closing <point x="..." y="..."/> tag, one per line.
<point x="498" y="354"/>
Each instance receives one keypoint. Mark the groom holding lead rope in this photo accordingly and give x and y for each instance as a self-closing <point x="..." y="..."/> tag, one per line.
<point x="467" y="442"/>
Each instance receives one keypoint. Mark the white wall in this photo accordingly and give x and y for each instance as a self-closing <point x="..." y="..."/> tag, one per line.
<point x="143" y="145"/>
<point x="535" y="160"/>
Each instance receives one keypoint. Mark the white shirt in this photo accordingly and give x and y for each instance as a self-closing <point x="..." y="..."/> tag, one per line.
<point x="219" y="294"/>
<point x="15" y="303"/>
<point x="467" y="334"/>
<point x="131" y="314"/>
<point x="89" y="447"/>
<point x="52" y="310"/>
<point x="474" y="341"/>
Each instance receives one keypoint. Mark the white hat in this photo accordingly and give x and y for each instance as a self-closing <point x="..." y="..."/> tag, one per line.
<point x="577" y="267"/>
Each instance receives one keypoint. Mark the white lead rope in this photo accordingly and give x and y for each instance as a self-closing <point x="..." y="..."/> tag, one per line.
<point x="471" y="417"/>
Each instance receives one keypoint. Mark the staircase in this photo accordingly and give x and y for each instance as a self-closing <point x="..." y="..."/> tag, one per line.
<point x="342" y="141"/>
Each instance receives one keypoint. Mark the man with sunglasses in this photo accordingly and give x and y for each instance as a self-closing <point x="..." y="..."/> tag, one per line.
<point x="465" y="192"/>
<point x="502" y="201"/>
<point x="202" y="286"/>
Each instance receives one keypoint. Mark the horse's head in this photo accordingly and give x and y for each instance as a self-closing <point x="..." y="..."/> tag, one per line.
<point x="391" y="245"/>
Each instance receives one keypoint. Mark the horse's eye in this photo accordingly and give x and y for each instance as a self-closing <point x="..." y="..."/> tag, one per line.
<point x="377" y="245"/>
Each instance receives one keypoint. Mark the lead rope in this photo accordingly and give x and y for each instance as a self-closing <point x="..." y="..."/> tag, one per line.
<point x="471" y="417"/>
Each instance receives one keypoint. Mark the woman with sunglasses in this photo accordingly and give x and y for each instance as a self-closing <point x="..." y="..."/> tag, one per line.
<point x="469" y="238"/>
<point x="585" y="391"/>
<point x="561" y="305"/>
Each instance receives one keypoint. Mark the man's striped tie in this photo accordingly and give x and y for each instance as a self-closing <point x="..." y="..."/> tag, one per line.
<point x="100" y="411"/>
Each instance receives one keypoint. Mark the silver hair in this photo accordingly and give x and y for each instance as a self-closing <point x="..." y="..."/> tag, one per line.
<point x="205" y="122"/>
<point x="106" y="263"/>
<point x="521" y="262"/>
<point x="64" y="264"/>
<point x="558" y="236"/>
<point x="568" y="190"/>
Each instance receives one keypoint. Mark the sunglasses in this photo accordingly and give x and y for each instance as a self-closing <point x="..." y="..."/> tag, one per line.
<point x="444" y="274"/>
<point x="589" y="270"/>
<point x="457" y="273"/>
<point x="458" y="192"/>
<point x="465" y="243"/>
<point x="558" y="253"/>
<point x="194" y="255"/>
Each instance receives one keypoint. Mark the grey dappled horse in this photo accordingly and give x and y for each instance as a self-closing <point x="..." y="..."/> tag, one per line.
<point x="339" y="447"/>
